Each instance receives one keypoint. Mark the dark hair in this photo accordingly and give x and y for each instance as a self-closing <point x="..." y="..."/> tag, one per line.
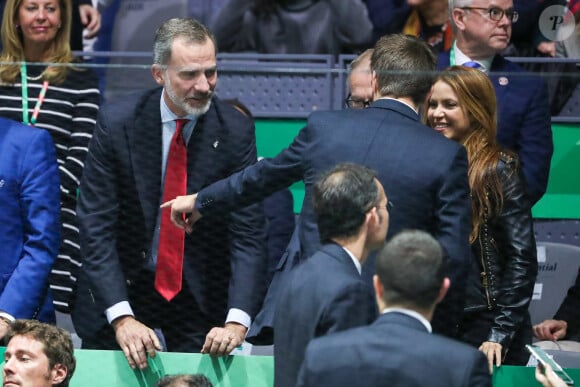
<point x="195" y="380"/>
<point x="189" y="29"/>
<point x="411" y="268"/>
<point x="405" y="67"/>
<point x="341" y="198"/>
<point x="56" y="342"/>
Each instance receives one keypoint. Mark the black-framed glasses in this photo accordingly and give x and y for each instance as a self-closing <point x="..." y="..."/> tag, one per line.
<point x="355" y="103"/>
<point x="496" y="14"/>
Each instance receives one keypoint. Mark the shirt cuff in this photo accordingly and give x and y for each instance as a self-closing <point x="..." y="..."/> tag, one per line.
<point x="119" y="309"/>
<point x="239" y="316"/>
<point x="7" y="316"/>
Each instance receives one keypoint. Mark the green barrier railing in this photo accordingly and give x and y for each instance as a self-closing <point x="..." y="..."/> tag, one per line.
<point x="110" y="369"/>
<point x="561" y="201"/>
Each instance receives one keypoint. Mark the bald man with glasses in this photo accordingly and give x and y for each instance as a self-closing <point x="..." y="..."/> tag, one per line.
<point x="483" y="29"/>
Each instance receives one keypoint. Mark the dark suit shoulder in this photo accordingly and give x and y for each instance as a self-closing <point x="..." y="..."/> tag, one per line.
<point x="130" y="106"/>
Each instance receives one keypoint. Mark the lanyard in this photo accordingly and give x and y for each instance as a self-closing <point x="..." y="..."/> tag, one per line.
<point x="452" y="55"/>
<point x="39" y="101"/>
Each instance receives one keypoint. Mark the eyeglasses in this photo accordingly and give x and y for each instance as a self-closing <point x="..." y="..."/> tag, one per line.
<point x="496" y="14"/>
<point x="356" y="103"/>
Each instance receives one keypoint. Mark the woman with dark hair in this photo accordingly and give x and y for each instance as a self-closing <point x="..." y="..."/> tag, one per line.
<point x="462" y="106"/>
<point x="41" y="85"/>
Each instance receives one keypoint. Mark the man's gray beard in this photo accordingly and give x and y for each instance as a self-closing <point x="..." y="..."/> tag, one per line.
<point x="195" y="111"/>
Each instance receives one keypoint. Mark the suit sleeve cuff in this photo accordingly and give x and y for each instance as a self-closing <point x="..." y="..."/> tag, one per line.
<point x="119" y="309"/>
<point x="239" y="316"/>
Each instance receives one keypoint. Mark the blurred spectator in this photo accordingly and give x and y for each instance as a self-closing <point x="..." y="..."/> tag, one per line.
<point x="566" y="321"/>
<point x="293" y="26"/>
<point x="63" y="99"/>
<point x="548" y="377"/>
<point x="425" y="19"/>
<point x="38" y="355"/>
<point x="184" y="380"/>
<point x="360" y="93"/>
<point x="29" y="222"/>
<point x="483" y="29"/>
<point x="87" y="17"/>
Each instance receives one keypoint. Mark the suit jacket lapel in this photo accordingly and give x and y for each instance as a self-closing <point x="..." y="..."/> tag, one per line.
<point x="144" y="139"/>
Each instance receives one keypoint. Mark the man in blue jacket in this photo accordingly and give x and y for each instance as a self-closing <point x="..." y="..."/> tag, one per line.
<point x="29" y="222"/>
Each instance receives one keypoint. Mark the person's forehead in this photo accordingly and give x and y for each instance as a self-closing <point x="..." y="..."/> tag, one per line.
<point x="504" y="4"/>
<point x="194" y="54"/>
<point x="24" y="343"/>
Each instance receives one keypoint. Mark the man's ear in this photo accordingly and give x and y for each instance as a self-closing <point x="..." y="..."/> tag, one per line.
<point x="58" y="374"/>
<point x="444" y="288"/>
<point x="157" y="73"/>
<point x="458" y="16"/>
<point x="374" y="84"/>
<point x="379" y="290"/>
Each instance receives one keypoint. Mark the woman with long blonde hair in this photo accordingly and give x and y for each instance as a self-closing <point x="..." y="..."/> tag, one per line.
<point x="43" y="85"/>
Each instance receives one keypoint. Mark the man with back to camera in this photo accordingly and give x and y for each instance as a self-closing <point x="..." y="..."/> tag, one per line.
<point x="139" y="271"/>
<point x="38" y="355"/>
<point x="425" y="174"/>
<point x="326" y="293"/>
<point x="483" y="29"/>
<point x="398" y="349"/>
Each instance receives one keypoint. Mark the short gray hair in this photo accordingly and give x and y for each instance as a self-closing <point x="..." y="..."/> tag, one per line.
<point x="189" y="29"/>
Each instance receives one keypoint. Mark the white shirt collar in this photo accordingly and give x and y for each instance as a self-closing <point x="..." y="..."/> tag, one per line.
<point x="461" y="58"/>
<point x="354" y="260"/>
<point x="410" y="313"/>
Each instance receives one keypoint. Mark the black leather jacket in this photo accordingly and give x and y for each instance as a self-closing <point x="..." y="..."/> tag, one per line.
<point x="504" y="265"/>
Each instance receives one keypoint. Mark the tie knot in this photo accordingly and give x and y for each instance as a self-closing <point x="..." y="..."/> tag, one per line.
<point x="473" y="64"/>
<point x="180" y="123"/>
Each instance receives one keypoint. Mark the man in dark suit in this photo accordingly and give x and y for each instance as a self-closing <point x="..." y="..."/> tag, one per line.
<point x="123" y="231"/>
<point x="326" y="293"/>
<point x="483" y="29"/>
<point x="425" y="174"/>
<point x="398" y="349"/>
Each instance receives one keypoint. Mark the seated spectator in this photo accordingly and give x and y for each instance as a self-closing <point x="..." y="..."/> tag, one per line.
<point x="566" y="321"/>
<point x="398" y="349"/>
<point x="38" y="355"/>
<point x="293" y="26"/>
<point x="359" y="81"/>
<point x="548" y="377"/>
<point x="29" y="222"/>
<point x="184" y="380"/>
<point x="425" y="19"/>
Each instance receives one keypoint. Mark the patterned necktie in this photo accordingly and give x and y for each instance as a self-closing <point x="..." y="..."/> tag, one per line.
<point x="168" y="275"/>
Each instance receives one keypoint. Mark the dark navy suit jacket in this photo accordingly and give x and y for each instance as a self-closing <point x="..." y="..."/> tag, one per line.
<point x="324" y="294"/>
<point x="395" y="351"/>
<point x="523" y="120"/>
<point x="29" y="220"/>
<point x="225" y="256"/>
<point x="423" y="173"/>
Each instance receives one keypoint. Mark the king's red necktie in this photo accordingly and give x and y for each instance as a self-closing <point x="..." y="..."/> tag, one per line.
<point x="168" y="274"/>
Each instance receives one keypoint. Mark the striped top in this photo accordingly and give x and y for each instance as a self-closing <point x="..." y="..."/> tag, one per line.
<point x="68" y="113"/>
